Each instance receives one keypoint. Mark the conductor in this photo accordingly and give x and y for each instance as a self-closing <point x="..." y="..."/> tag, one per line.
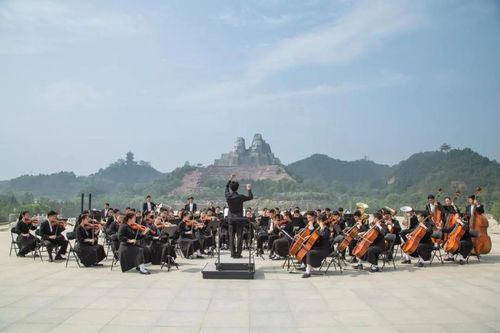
<point x="235" y="204"/>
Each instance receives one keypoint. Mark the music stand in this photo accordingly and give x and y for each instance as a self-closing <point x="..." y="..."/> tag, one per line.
<point x="214" y="226"/>
<point x="170" y="233"/>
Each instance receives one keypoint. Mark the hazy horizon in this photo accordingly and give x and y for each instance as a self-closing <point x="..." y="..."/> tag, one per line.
<point x="84" y="82"/>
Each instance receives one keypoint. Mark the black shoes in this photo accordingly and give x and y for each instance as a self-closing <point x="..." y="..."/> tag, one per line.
<point x="145" y="272"/>
<point x="59" y="257"/>
<point x="306" y="275"/>
<point x="97" y="264"/>
<point x="448" y="259"/>
<point x="462" y="262"/>
<point x="406" y="262"/>
<point x="374" y="269"/>
<point x="358" y="266"/>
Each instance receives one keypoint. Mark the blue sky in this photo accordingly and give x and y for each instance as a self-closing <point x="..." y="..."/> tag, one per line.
<point x="83" y="82"/>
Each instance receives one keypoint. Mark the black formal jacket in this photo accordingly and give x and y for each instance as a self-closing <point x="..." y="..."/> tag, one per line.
<point x="145" y="206"/>
<point x="24" y="228"/>
<point x="45" y="231"/>
<point x="186" y="208"/>
<point x="235" y="201"/>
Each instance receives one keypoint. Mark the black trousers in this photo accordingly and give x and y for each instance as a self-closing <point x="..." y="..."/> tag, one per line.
<point x="58" y="241"/>
<point x="404" y="234"/>
<point x="236" y="246"/>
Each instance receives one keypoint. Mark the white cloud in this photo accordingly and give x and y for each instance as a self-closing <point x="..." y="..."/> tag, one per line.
<point x="349" y="37"/>
<point x="68" y="95"/>
<point x="31" y="26"/>
<point x="345" y="39"/>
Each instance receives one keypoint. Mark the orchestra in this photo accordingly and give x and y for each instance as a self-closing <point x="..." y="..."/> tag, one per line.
<point x="157" y="233"/>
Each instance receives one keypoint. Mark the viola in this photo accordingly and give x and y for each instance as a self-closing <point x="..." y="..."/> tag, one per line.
<point x="366" y="240"/>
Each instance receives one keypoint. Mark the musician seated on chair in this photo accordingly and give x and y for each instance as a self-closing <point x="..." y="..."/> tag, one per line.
<point x="466" y="245"/>
<point x="281" y="246"/>
<point x="393" y="227"/>
<point x="90" y="252"/>
<point x="51" y="233"/>
<point x="424" y="248"/>
<point x="363" y="227"/>
<point x="26" y="242"/>
<point x="321" y="247"/>
<point x="377" y="247"/>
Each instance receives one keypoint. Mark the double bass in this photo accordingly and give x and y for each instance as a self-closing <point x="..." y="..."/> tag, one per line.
<point x="366" y="240"/>
<point x="479" y="223"/>
<point x="482" y="243"/>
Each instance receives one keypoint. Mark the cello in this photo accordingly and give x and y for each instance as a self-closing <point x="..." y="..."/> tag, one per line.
<point x="366" y="240"/>
<point x="415" y="237"/>
<point x="349" y="236"/>
<point x="304" y="242"/>
<point x="453" y="242"/>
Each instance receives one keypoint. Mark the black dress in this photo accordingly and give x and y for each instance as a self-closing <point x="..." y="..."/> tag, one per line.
<point x="188" y="242"/>
<point x="88" y="253"/>
<point x="130" y="255"/>
<point x="281" y="246"/>
<point x="320" y="249"/>
<point x="26" y="243"/>
<point x="152" y="242"/>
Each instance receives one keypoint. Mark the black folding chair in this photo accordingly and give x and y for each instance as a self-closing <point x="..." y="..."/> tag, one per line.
<point x="13" y="243"/>
<point x="333" y="258"/>
<point x="71" y="237"/>
<point x="436" y="253"/>
<point x="387" y="256"/>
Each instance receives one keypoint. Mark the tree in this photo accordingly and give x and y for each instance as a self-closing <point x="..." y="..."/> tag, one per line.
<point x="129" y="158"/>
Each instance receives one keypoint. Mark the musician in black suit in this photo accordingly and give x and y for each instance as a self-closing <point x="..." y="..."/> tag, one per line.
<point x="235" y="204"/>
<point x="190" y="205"/>
<point x="51" y="233"/>
<point x="148" y="205"/>
<point x="105" y="211"/>
<point x="377" y="247"/>
<point x="321" y="247"/>
<point x="432" y="204"/>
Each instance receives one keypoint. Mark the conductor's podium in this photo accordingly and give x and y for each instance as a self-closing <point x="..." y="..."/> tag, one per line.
<point x="232" y="268"/>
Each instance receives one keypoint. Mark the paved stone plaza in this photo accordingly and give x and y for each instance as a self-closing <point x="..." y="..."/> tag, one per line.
<point x="47" y="297"/>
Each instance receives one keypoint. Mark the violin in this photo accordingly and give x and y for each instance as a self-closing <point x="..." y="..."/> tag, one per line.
<point x="138" y="227"/>
<point x="32" y="221"/>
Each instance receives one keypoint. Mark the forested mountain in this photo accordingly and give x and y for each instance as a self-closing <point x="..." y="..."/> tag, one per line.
<point x="316" y="181"/>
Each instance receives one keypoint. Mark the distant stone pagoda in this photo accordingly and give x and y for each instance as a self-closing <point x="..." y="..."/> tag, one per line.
<point x="258" y="154"/>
